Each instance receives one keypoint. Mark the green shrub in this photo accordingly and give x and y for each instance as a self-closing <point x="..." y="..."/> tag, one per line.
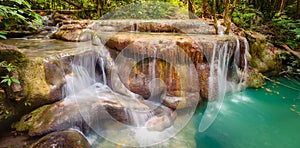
<point x="9" y="68"/>
<point x="247" y="17"/>
<point x="144" y="10"/>
<point x="16" y="13"/>
<point x="287" y="30"/>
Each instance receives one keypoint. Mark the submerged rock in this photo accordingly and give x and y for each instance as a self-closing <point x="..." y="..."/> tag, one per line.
<point x="62" y="139"/>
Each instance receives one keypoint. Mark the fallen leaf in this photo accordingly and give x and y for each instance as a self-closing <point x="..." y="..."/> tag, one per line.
<point x="268" y="90"/>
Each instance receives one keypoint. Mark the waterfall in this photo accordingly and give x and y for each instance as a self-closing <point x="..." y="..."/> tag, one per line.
<point x="218" y="81"/>
<point x="82" y="75"/>
<point x="101" y="61"/>
<point x="137" y="114"/>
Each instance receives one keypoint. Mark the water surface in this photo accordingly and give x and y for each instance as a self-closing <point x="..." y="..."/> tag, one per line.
<point x="266" y="117"/>
<point x="44" y="47"/>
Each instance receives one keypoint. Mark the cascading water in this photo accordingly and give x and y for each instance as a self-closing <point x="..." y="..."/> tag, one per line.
<point x="136" y="115"/>
<point x="218" y="81"/>
<point x="83" y="86"/>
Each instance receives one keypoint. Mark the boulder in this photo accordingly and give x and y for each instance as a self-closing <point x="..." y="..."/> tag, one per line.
<point x="87" y="110"/>
<point x="63" y="115"/>
<point x="264" y="55"/>
<point x="254" y="78"/>
<point x="11" y="54"/>
<point x="56" y="18"/>
<point x="77" y="32"/>
<point x="67" y="138"/>
<point x="40" y="83"/>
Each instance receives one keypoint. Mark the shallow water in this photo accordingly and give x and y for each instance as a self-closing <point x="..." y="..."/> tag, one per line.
<point x="256" y="118"/>
<point x="44" y="48"/>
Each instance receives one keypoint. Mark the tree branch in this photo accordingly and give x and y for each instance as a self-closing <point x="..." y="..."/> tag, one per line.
<point x="297" y="54"/>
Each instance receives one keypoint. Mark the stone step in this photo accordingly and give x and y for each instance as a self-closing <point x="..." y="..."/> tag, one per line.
<point x="174" y="26"/>
<point x="164" y="45"/>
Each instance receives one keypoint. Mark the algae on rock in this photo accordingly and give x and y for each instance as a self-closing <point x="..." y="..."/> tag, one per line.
<point x="264" y="56"/>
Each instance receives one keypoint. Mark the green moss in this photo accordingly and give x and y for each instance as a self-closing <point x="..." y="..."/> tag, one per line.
<point x="35" y="85"/>
<point x="26" y="123"/>
<point x="12" y="55"/>
<point x="255" y="79"/>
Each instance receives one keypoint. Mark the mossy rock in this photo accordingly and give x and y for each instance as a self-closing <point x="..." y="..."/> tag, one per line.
<point x="255" y="79"/>
<point x="12" y="55"/>
<point x="67" y="139"/>
<point x="32" y="92"/>
<point x="34" y="83"/>
<point x="27" y="121"/>
<point x="264" y="56"/>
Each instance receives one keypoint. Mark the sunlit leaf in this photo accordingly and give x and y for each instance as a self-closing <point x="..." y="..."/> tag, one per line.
<point x="9" y="82"/>
<point x="15" y="80"/>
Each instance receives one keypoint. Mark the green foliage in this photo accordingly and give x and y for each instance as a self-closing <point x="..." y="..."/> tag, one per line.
<point x="144" y="10"/>
<point x="291" y="62"/>
<point x="247" y="17"/>
<point x="287" y="30"/>
<point x="15" y="13"/>
<point x="7" y="78"/>
<point x="2" y="35"/>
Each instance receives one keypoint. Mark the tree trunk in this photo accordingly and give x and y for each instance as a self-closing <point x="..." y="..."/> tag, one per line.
<point x="191" y="9"/>
<point x="282" y="5"/>
<point x="228" y="15"/>
<point x="205" y="12"/>
<point x="99" y="8"/>
<point x="215" y="17"/>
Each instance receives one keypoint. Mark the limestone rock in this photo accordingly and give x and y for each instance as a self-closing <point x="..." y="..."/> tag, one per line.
<point x="150" y="54"/>
<point x="264" y="56"/>
<point x="73" y="32"/>
<point x="67" y="139"/>
<point x="172" y="26"/>
<point x="203" y="76"/>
